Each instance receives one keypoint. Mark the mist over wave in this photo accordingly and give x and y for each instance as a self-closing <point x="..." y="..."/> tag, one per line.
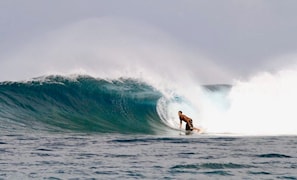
<point x="109" y="47"/>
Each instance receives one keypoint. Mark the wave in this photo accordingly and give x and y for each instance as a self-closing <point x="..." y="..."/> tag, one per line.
<point x="82" y="103"/>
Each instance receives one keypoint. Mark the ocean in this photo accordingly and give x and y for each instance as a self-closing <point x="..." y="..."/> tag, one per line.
<point x="81" y="127"/>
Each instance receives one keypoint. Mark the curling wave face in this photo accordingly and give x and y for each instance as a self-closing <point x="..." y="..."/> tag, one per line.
<point x="82" y="103"/>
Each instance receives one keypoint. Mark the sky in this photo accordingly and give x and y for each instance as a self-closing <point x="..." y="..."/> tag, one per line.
<point x="216" y="40"/>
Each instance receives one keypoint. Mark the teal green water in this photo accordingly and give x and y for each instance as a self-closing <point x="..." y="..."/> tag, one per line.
<point x="83" y="104"/>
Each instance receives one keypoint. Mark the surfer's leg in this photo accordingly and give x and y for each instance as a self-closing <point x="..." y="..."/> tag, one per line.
<point x="196" y="129"/>
<point x="188" y="127"/>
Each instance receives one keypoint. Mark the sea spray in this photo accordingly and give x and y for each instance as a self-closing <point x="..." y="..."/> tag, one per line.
<point x="263" y="105"/>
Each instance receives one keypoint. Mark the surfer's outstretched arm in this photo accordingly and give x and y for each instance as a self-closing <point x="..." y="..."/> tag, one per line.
<point x="180" y="124"/>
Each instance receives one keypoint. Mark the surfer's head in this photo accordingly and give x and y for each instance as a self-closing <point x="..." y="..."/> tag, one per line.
<point x="180" y="112"/>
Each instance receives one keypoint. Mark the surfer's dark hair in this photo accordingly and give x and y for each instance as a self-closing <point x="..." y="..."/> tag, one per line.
<point x="180" y="111"/>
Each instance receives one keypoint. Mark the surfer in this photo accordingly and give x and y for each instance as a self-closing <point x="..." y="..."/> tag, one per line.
<point x="188" y="121"/>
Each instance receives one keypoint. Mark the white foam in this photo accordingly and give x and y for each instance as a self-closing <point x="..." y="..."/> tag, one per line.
<point x="264" y="105"/>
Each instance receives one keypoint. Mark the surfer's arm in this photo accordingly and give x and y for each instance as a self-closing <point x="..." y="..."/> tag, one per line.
<point x="180" y="124"/>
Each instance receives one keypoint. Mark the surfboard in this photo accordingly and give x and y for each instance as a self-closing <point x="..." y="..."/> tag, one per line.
<point x="188" y="132"/>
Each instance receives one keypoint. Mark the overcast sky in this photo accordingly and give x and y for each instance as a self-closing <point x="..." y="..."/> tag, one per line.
<point x="241" y="36"/>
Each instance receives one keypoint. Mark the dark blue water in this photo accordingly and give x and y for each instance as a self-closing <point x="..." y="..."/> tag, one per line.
<point x="86" y="128"/>
<point x="33" y="155"/>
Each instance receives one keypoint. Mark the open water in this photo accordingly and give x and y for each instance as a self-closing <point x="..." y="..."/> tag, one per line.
<point x="29" y="155"/>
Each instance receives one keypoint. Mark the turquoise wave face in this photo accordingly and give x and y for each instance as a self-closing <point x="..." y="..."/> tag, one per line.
<point x="81" y="104"/>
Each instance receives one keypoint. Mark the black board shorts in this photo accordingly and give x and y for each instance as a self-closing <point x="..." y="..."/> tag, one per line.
<point x="189" y="125"/>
